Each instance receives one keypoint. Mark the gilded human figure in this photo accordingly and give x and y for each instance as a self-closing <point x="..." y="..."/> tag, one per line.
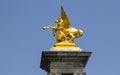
<point x="63" y="31"/>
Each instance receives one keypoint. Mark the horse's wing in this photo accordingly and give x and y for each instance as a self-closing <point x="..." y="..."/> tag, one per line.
<point x="66" y="21"/>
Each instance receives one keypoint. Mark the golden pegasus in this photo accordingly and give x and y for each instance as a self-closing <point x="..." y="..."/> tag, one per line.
<point x="65" y="34"/>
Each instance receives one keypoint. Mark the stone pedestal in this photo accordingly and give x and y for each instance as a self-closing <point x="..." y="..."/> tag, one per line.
<point x="64" y="62"/>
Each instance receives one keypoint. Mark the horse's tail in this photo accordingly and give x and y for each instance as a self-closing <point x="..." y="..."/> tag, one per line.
<point x="80" y="33"/>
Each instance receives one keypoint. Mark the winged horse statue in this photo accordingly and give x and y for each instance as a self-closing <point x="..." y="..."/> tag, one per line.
<point x="63" y="31"/>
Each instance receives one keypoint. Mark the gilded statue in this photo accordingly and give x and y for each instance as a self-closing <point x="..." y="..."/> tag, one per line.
<point x="65" y="34"/>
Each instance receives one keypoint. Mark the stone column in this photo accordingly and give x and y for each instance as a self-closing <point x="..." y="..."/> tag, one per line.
<point x="80" y="73"/>
<point x="64" y="62"/>
<point x="50" y="73"/>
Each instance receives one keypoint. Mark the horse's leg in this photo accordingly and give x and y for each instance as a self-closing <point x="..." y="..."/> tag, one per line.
<point x="72" y="38"/>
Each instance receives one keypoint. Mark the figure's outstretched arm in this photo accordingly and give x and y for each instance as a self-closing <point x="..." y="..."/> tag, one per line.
<point x="47" y="27"/>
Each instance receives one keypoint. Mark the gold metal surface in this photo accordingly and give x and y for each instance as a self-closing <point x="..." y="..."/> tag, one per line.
<point x="65" y="34"/>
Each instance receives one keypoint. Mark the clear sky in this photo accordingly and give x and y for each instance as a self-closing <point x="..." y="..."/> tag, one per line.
<point x="22" y="39"/>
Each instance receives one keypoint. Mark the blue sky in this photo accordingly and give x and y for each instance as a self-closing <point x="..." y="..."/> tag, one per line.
<point x="22" y="39"/>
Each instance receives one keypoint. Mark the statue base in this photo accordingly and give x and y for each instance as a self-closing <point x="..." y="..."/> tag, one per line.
<point x="65" y="47"/>
<point x="62" y="44"/>
<point x="64" y="62"/>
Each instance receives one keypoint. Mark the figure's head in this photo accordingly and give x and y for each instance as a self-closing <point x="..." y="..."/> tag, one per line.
<point x="59" y="20"/>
